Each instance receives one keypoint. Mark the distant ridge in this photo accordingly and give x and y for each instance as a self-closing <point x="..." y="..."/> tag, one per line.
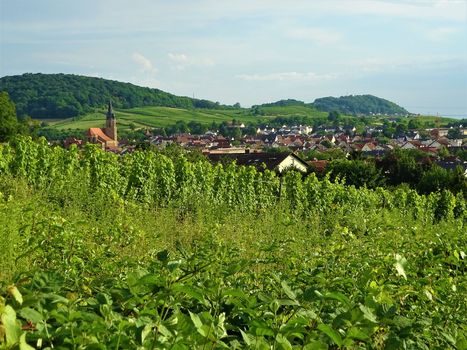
<point x="351" y="105"/>
<point x="359" y="104"/>
<point x="68" y="95"/>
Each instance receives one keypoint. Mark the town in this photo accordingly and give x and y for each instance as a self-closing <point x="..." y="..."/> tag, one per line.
<point x="316" y="145"/>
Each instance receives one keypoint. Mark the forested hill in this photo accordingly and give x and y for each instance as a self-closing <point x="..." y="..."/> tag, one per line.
<point x="359" y="104"/>
<point x="67" y="95"/>
<point x="283" y="103"/>
<point x="351" y="105"/>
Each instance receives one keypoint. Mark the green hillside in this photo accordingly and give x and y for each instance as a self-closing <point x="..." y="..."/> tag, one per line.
<point x="61" y="96"/>
<point x="153" y="117"/>
<point x="359" y="104"/>
<point x="349" y="105"/>
<point x="156" y="117"/>
<point x="293" y="110"/>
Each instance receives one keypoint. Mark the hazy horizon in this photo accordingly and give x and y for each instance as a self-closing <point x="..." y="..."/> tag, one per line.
<point x="413" y="53"/>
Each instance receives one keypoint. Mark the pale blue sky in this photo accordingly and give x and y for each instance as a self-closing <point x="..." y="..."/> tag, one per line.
<point x="250" y="51"/>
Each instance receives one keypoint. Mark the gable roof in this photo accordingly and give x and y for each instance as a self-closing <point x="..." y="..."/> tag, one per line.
<point x="270" y="160"/>
<point x="451" y="165"/>
<point x="99" y="134"/>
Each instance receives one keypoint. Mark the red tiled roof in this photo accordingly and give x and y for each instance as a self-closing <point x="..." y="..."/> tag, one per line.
<point x="99" y="133"/>
<point x="319" y="165"/>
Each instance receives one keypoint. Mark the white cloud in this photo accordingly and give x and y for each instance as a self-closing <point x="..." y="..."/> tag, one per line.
<point x="415" y="62"/>
<point x="317" y="35"/>
<point x="144" y="63"/>
<point x="180" y="61"/>
<point x="455" y="10"/>
<point x="441" y="33"/>
<point x="178" y="58"/>
<point x="288" y="76"/>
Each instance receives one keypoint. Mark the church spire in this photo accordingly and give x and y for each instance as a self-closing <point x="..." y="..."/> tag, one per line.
<point x="110" y="111"/>
<point x="111" y="123"/>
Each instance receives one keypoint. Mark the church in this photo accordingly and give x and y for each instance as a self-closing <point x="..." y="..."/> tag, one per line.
<point x="107" y="136"/>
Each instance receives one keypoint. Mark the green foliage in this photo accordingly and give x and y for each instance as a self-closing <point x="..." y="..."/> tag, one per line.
<point x="155" y="117"/>
<point x="357" y="172"/>
<point x="67" y="95"/>
<point x="283" y="103"/>
<point x="151" y="250"/>
<point x="8" y="121"/>
<point x="402" y="166"/>
<point x="334" y="116"/>
<point x="455" y="133"/>
<point x="358" y="104"/>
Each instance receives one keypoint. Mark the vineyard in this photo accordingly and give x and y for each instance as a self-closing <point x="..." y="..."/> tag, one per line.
<point x="147" y="251"/>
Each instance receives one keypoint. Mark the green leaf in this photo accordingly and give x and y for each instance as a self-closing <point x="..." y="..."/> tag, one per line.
<point x="15" y="293"/>
<point x="198" y="323"/>
<point x="262" y="331"/>
<point x="246" y="338"/>
<point x="10" y="325"/>
<point x="234" y="293"/>
<point x="400" y="265"/>
<point x="461" y="342"/>
<point x="315" y="345"/>
<point x="145" y="331"/>
<point x="22" y="343"/>
<point x="288" y="291"/>
<point x="173" y="265"/>
<point x="355" y="333"/>
<point x="368" y="314"/>
<point x="190" y="291"/>
<point x="283" y="342"/>
<point x="331" y="333"/>
<point x="337" y="296"/>
<point x="30" y="315"/>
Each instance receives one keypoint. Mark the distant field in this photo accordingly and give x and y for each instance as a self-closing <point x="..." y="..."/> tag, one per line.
<point x="154" y="117"/>
<point x="293" y="110"/>
<point x="157" y="117"/>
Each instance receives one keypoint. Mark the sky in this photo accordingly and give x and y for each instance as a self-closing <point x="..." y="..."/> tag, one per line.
<point x="413" y="52"/>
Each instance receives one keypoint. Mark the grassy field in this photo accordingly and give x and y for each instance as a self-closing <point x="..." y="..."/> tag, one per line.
<point x="286" y="111"/>
<point x="153" y="117"/>
<point x="156" y="117"/>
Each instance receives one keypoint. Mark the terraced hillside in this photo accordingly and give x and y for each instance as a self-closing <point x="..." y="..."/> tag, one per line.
<point x="154" y="117"/>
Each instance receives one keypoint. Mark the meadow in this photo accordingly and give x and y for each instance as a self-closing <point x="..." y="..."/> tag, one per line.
<point x="158" y="117"/>
<point x="163" y="117"/>
<point x="150" y="252"/>
<point x="153" y="117"/>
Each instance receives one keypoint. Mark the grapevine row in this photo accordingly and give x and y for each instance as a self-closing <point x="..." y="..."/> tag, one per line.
<point x="158" y="180"/>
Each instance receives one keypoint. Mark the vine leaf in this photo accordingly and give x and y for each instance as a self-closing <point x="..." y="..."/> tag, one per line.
<point x="400" y="264"/>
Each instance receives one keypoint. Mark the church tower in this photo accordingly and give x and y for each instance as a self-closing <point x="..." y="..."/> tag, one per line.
<point x="111" y="123"/>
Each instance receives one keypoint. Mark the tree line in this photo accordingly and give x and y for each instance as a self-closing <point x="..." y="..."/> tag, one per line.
<point x="68" y="95"/>
<point x="349" y="105"/>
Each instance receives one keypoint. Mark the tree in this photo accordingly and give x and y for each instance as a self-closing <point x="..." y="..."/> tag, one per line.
<point x="403" y="166"/>
<point x="8" y="119"/>
<point x="236" y="133"/>
<point x="356" y="172"/>
<point x="443" y="152"/>
<point x="414" y="124"/>
<point x="401" y="128"/>
<point x="334" y="116"/>
<point x="455" y="133"/>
